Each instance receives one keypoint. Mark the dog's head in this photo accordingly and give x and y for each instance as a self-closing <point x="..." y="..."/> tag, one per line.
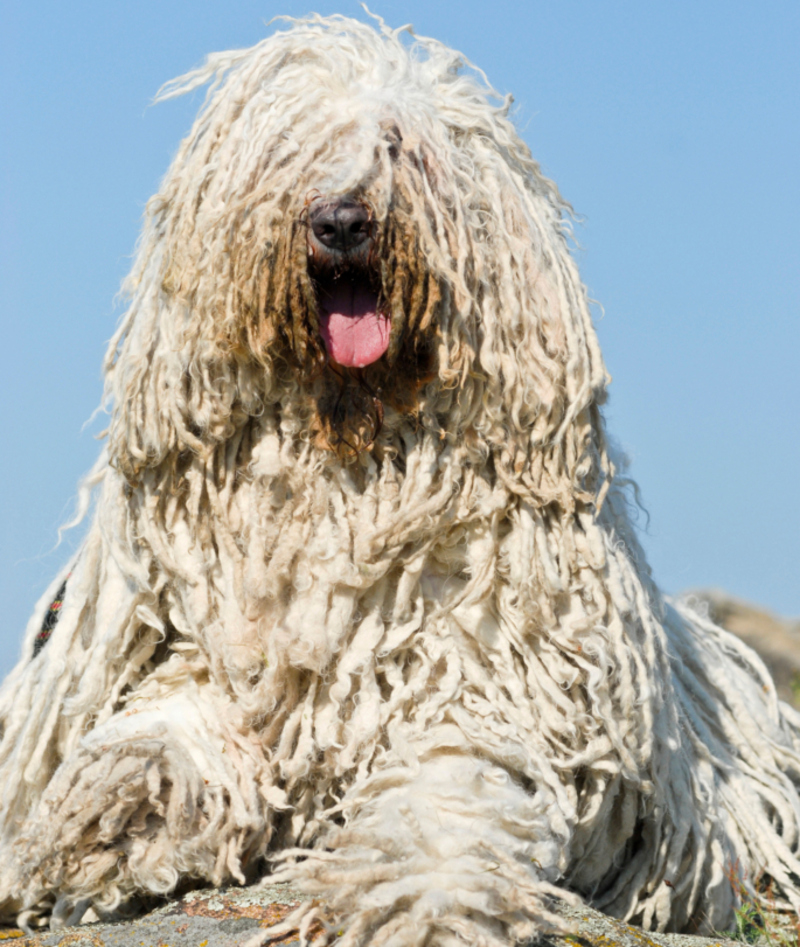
<point x="354" y="232"/>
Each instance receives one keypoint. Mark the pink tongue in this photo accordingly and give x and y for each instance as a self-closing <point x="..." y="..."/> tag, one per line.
<point x="353" y="330"/>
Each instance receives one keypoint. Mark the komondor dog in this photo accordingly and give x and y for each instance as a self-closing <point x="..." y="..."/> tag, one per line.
<point x="361" y="602"/>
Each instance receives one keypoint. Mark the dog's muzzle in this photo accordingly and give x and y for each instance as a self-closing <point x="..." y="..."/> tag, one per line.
<point x="340" y="226"/>
<point x="341" y="244"/>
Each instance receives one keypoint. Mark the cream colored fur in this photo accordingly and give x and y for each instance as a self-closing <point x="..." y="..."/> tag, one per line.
<point x="432" y="678"/>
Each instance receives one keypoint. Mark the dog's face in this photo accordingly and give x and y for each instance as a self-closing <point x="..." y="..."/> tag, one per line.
<point x="354" y="232"/>
<point x="361" y="322"/>
<point x="354" y="321"/>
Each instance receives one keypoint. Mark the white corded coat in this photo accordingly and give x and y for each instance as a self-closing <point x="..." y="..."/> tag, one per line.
<point x="434" y="678"/>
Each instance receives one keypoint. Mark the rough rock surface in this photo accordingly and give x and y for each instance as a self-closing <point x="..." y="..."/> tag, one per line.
<point x="230" y="917"/>
<point x="224" y="917"/>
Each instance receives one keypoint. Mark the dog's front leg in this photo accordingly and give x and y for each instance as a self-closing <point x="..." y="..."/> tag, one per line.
<point x="172" y="787"/>
<point x="448" y="851"/>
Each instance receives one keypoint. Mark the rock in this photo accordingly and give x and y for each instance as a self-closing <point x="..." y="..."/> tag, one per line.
<point x="229" y="917"/>
<point x="214" y="917"/>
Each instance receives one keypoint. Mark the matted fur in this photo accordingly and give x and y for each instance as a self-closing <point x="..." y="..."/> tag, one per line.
<point x="393" y="628"/>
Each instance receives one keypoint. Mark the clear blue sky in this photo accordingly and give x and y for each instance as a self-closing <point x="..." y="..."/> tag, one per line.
<point x="672" y="127"/>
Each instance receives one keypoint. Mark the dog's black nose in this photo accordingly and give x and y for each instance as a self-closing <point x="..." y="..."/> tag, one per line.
<point x="340" y="225"/>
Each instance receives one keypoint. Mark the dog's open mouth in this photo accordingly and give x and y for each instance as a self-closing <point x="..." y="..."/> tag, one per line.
<point x="353" y="328"/>
<point x="341" y="243"/>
